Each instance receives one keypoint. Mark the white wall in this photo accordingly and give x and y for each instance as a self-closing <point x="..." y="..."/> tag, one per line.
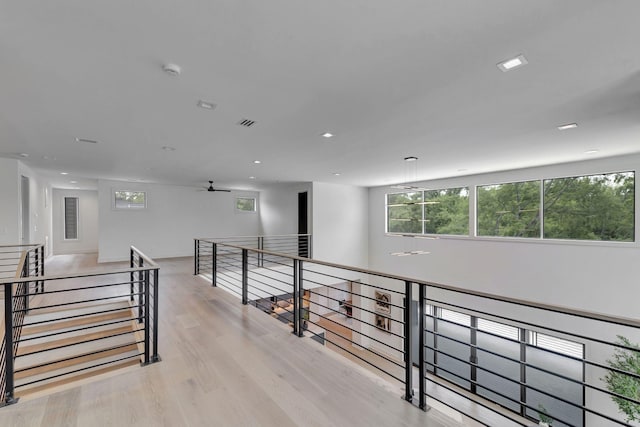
<point x="40" y="220"/>
<point x="279" y="208"/>
<point x="594" y="276"/>
<point x="174" y="216"/>
<point x="88" y="215"/>
<point x="340" y="224"/>
<point x="9" y="202"/>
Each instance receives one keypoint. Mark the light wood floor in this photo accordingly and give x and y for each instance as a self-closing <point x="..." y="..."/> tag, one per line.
<point x="223" y="364"/>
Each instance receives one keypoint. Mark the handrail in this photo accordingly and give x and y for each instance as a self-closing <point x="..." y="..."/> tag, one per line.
<point x="624" y="321"/>
<point x="210" y="239"/>
<point x="21" y="245"/>
<point x="75" y="276"/>
<point x="141" y="310"/>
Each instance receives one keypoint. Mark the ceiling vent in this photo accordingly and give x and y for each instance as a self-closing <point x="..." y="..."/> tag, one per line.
<point x="246" y="123"/>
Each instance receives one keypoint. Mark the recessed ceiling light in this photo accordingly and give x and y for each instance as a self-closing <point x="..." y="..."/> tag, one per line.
<point x="462" y="170"/>
<point x="167" y="148"/>
<point x="327" y="135"/>
<point x="90" y="141"/>
<point x="252" y="177"/>
<point x="64" y="173"/>
<point x="257" y="162"/>
<point x="512" y="63"/>
<point x="336" y="174"/>
<point x="206" y="105"/>
<point x="73" y="182"/>
<point x="23" y="155"/>
<point x="173" y="70"/>
<point x="594" y="151"/>
<point x="410" y="159"/>
<point x="568" y="126"/>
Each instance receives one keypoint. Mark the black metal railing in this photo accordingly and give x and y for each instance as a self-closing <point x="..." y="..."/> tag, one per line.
<point x="10" y="257"/>
<point x="291" y="244"/>
<point x="92" y="326"/>
<point x="516" y="360"/>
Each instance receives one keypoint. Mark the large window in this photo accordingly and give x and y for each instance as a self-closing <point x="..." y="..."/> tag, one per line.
<point x="130" y="199"/>
<point x="70" y="218"/>
<point x="404" y="212"/>
<point x="509" y="210"/>
<point x="429" y="212"/>
<point x="595" y="207"/>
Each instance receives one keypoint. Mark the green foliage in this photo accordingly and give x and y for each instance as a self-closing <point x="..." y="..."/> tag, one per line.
<point x="626" y="360"/>
<point x="543" y="415"/>
<point x="509" y="210"/>
<point x="447" y="211"/>
<point x="596" y="207"/>
<point x="404" y="212"/>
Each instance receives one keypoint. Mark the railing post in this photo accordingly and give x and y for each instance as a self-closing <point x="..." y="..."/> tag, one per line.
<point x="214" y="264"/>
<point x="300" y="299"/>
<point x="260" y="254"/>
<point x="42" y="268"/>
<point x="196" y="257"/>
<point x="155" y="357"/>
<point x="245" y="277"/>
<point x="146" y="318"/>
<point x="26" y="285"/>
<point x="408" y="369"/>
<point x="296" y="302"/>
<point x="132" y="274"/>
<point x="523" y="371"/>
<point x="473" y="356"/>
<point x="141" y="298"/>
<point x="8" y="344"/>
<point x="421" y="362"/>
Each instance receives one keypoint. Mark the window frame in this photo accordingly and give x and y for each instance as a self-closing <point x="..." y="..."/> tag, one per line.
<point x="245" y="211"/>
<point x="114" y="203"/>
<point x="64" y="218"/>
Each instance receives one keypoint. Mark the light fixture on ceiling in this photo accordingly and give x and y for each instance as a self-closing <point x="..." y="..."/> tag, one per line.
<point x="23" y="155"/>
<point x="173" y="70"/>
<point x="410" y="159"/>
<point x="206" y="105"/>
<point x="89" y="141"/>
<point x="252" y="177"/>
<point x="512" y="63"/>
<point x="167" y="148"/>
<point x="257" y="162"/>
<point x="336" y="174"/>
<point x="64" y="173"/>
<point x="568" y="126"/>
<point x="73" y="182"/>
<point x="328" y="135"/>
<point x="593" y="151"/>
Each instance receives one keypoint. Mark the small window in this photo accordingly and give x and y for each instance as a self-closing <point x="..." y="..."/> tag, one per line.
<point x="246" y="204"/>
<point x="499" y="329"/>
<point x="71" y="218"/>
<point x="130" y="199"/>
<point x="446" y="211"/>
<point x="556" y="344"/>
<point x="456" y="317"/>
<point x="404" y="212"/>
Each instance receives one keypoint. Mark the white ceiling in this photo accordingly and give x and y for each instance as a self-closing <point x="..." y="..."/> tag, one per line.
<point x="389" y="78"/>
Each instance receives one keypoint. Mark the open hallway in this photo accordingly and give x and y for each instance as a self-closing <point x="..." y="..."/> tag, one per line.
<point x="223" y="364"/>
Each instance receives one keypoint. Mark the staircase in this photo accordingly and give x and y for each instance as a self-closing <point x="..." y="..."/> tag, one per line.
<point x="62" y="346"/>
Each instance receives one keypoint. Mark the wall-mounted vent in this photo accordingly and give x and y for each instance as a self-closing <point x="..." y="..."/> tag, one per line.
<point x="246" y="123"/>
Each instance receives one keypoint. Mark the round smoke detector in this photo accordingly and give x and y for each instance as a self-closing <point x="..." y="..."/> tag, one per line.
<point x="171" y="69"/>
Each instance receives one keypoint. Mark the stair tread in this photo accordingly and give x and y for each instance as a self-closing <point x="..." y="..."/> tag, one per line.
<point x="35" y="388"/>
<point x="71" y="323"/>
<point x="35" y="348"/>
<point x="53" y="313"/>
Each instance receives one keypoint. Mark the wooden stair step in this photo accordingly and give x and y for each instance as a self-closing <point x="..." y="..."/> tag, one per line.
<point x="35" y="388"/>
<point x="35" y="348"/>
<point x="74" y="323"/>
<point x="53" y="313"/>
<point x="65" y="363"/>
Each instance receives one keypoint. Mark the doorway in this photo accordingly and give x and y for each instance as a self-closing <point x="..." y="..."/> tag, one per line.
<point x="303" y="225"/>
<point x="24" y="209"/>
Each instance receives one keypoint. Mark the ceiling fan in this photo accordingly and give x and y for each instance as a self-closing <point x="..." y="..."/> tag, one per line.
<point x="210" y="188"/>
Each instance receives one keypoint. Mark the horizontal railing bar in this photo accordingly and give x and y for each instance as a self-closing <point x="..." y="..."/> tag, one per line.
<point x="80" y="315"/>
<point x="76" y="276"/>
<point x="82" y="301"/>
<point x="271" y="236"/>
<point x="142" y="255"/>
<point x="84" y="288"/>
